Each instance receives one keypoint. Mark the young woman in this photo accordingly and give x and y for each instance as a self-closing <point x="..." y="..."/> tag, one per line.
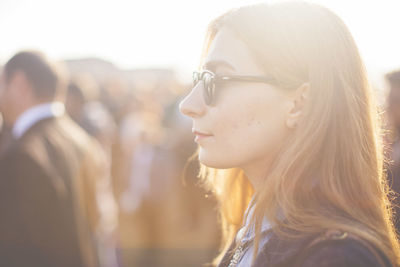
<point x="289" y="141"/>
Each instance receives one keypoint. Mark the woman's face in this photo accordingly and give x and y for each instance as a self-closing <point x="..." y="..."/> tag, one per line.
<point x="246" y="123"/>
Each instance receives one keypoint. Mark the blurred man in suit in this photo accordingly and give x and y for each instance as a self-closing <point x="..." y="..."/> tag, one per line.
<point x="45" y="196"/>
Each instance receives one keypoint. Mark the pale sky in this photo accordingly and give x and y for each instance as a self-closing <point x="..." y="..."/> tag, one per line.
<point x="160" y="33"/>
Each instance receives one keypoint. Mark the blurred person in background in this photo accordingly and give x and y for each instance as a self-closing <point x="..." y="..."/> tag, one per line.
<point x="289" y="143"/>
<point x="47" y="204"/>
<point x="83" y="107"/>
<point x="393" y="112"/>
<point x="5" y="136"/>
<point x="150" y="194"/>
<point x="163" y="222"/>
<point x="5" y="132"/>
<point x="75" y="102"/>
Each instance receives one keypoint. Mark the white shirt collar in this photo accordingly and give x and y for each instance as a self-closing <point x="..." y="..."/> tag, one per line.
<point x="33" y="115"/>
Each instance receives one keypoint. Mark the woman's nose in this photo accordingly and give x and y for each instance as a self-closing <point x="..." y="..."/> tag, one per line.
<point x="193" y="104"/>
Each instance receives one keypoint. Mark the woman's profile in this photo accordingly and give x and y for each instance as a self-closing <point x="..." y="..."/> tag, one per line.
<point x="289" y="141"/>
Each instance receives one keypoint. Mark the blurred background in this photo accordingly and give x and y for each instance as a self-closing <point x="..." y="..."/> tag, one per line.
<point x="130" y="63"/>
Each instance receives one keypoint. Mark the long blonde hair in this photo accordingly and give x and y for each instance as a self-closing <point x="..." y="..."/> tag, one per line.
<point x="329" y="173"/>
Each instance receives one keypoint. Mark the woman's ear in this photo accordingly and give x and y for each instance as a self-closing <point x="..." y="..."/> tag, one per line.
<point x="298" y="103"/>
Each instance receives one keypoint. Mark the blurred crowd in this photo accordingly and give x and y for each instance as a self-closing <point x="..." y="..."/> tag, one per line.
<point x="143" y="203"/>
<point x="146" y="207"/>
<point x="159" y="214"/>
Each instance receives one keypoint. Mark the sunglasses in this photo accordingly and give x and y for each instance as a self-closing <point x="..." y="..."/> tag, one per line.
<point x="210" y="80"/>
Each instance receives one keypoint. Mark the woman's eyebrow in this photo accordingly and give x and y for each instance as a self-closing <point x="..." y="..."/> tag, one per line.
<point x="212" y="65"/>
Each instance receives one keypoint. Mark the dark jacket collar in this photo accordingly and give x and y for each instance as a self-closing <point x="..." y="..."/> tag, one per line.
<point x="280" y="251"/>
<point x="277" y="251"/>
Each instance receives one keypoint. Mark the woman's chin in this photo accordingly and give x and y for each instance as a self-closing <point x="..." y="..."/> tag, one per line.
<point x="214" y="162"/>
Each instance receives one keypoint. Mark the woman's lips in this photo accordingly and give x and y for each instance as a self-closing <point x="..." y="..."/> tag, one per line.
<point x="200" y="136"/>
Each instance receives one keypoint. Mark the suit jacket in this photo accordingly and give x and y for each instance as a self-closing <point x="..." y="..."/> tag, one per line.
<point x="44" y="197"/>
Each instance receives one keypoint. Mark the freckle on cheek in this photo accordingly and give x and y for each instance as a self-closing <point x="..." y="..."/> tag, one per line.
<point x="253" y="121"/>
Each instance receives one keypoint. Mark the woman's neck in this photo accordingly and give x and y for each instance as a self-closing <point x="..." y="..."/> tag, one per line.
<point x="256" y="172"/>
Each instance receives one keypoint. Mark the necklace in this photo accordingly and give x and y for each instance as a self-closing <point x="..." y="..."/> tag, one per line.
<point x="239" y="252"/>
<point x="236" y="256"/>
